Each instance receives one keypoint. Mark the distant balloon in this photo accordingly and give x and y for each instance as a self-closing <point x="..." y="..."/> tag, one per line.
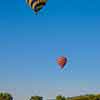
<point x="62" y="61"/>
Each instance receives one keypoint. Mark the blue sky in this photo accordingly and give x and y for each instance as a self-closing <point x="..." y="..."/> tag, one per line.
<point x="30" y="45"/>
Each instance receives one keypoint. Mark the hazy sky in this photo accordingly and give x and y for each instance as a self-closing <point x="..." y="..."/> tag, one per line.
<point x="30" y="45"/>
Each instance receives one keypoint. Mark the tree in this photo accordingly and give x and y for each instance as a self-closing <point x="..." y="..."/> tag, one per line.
<point x="63" y="98"/>
<point x="5" y="96"/>
<point x="91" y="97"/>
<point x="36" y="98"/>
<point x="59" y="97"/>
<point x="97" y="97"/>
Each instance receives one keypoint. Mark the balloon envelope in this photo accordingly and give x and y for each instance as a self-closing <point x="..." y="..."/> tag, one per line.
<point x="62" y="61"/>
<point x="36" y="5"/>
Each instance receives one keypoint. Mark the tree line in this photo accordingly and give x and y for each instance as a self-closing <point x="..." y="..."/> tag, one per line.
<point x="7" y="96"/>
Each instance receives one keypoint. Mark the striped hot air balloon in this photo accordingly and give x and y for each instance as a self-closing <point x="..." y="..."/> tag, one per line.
<point x="61" y="61"/>
<point x="36" y="5"/>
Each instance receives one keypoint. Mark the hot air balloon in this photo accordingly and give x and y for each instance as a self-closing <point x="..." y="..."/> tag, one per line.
<point x="61" y="61"/>
<point x="36" y="5"/>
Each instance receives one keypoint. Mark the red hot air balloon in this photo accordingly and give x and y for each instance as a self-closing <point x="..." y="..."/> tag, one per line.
<point x="62" y="61"/>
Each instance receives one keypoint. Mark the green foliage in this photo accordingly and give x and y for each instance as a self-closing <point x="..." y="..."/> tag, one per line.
<point x="60" y="97"/>
<point x="36" y="98"/>
<point x="85" y="97"/>
<point x="5" y="96"/>
<point x="97" y="97"/>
